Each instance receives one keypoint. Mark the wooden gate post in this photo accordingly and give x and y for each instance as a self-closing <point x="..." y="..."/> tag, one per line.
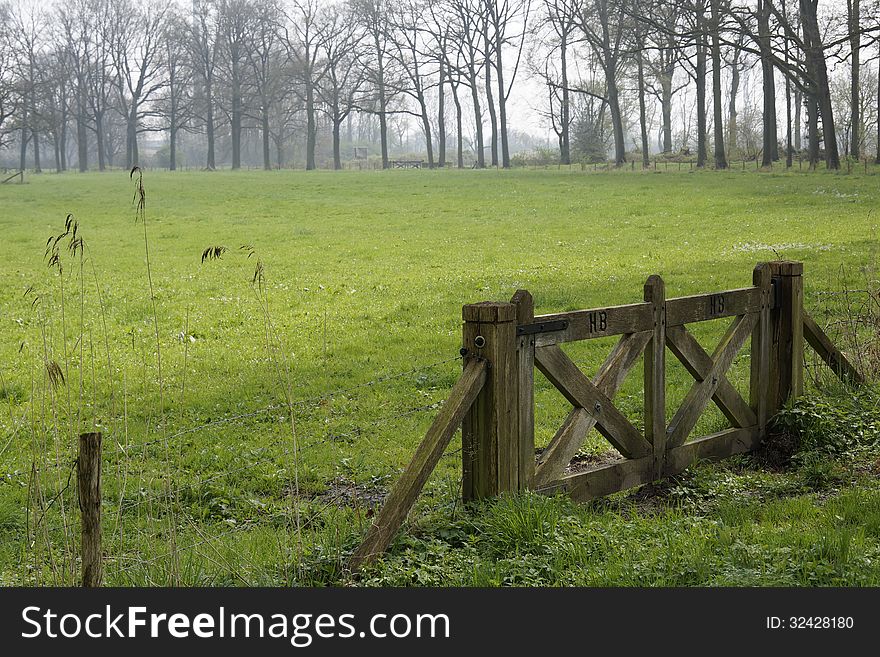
<point x="655" y="374"/>
<point x="525" y="372"/>
<point x="88" y="479"/>
<point x="786" y="378"/>
<point x="760" y="356"/>
<point x="489" y="432"/>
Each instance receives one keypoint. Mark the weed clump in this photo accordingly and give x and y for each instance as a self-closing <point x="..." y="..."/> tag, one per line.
<point x="835" y="424"/>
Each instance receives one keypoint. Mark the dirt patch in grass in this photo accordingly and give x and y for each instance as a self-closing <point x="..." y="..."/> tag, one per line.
<point x="581" y="463"/>
<point x="344" y="492"/>
<point x="775" y="452"/>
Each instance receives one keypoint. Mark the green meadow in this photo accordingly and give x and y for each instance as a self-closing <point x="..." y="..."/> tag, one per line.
<point x="258" y="404"/>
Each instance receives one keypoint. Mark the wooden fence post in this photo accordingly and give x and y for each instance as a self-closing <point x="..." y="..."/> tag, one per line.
<point x="655" y="374"/>
<point x="489" y="432"/>
<point x="88" y="478"/>
<point x="525" y="373"/>
<point x="760" y="356"/>
<point x="786" y="375"/>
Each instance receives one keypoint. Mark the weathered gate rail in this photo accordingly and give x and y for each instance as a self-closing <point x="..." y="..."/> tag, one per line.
<point x="493" y="401"/>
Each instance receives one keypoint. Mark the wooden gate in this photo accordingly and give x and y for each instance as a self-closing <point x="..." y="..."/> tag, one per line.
<point x="503" y="342"/>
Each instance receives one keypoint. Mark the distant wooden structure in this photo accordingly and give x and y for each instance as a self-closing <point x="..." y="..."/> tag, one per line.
<point x="17" y="174"/>
<point x="503" y="342"/>
<point x="406" y="164"/>
<point x="360" y="153"/>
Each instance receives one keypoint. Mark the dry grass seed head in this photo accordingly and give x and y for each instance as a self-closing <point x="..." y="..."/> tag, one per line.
<point x="56" y="376"/>
<point x="140" y="194"/>
<point x="214" y="252"/>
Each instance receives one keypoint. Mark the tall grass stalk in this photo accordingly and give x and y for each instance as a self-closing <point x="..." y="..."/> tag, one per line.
<point x="140" y="199"/>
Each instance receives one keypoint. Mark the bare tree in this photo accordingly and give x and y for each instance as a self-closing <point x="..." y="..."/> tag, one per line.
<point x="438" y="34"/>
<point x="373" y="17"/>
<point x="137" y="36"/>
<point x="28" y="24"/>
<point x="305" y="44"/>
<point x="604" y="24"/>
<point x="8" y="96"/>
<point x="56" y="103"/>
<point x="236" y="24"/>
<point x="205" y="44"/>
<point x="561" y="18"/>
<point x="735" y="72"/>
<point x="770" y="150"/>
<point x="174" y="106"/>
<point x="806" y="68"/>
<point x="465" y="31"/>
<point x="662" y="56"/>
<point x="269" y="65"/>
<point x="448" y="52"/>
<point x="715" y="27"/>
<point x="508" y="23"/>
<point x="853" y="21"/>
<point x="76" y="35"/>
<point x="409" y="52"/>
<point x="342" y="83"/>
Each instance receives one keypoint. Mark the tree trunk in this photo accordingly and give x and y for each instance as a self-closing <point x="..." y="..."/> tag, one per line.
<point x="459" y="137"/>
<point x="877" y="156"/>
<point x="209" y="125"/>
<point x="616" y="118"/>
<point x="25" y="137"/>
<point x="718" y="113"/>
<point x="172" y="130"/>
<point x="57" y="151"/>
<point x="236" y="119"/>
<point x="37" y="165"/>
<point x="813" y="131"/>
<point x="441" y="120"/>
<point x="643" y="122"/>
<point x="788" y="147"/>
<point x="426" y="127"/>
<point x="62" y="146"/>
<point x="264" y="129"/>
<point x="702" y="151"/>
<point x="478" y="121"/>
<point x="732" y="127"/>
<point x="666" y="108"/>
<point x="172" y="148"/>
<point x="816" y="65"/>
<point x="798" y="107"/>
<point x="565" y="137"/>
<point x="82" y="144"/>
<point x="502" y="103"/>
<point x="131" y="137"/>
<point x="135" y="152"/>
<point x="769" y="145"/>
<point x="490" y="104"/>
<point x="337" y="149"/>
<point x="769" y="114"/>
<point x="855" y="50"/>
<point x="311" y="124"/>
<point x="99" y="135"/>
<point x="383" y="101"/>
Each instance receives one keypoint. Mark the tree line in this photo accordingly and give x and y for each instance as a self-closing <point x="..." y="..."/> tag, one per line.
<point x="82" y="81"/>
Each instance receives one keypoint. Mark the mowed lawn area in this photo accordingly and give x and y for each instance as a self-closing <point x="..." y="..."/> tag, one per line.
<point x="346" y="307"/>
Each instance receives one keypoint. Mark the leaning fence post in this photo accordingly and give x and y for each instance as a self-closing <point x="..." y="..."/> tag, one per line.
<point x="786" y="379"/>
<point x="88" y="478"/>
<point x="489" y="433"/>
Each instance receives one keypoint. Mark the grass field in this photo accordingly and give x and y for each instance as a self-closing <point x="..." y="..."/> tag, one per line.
<point x="363" y="279"/>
